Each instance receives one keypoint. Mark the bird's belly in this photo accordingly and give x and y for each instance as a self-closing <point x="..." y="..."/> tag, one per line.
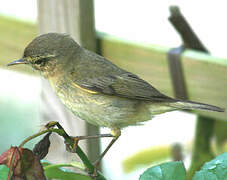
<point x="104" y="110"/>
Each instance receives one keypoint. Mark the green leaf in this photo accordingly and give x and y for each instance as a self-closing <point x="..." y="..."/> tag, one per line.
<point x="216" y="169"/>
<point x="166" y="171"/>
<point x="63" y="173"/>
<point x="3" y="172"/>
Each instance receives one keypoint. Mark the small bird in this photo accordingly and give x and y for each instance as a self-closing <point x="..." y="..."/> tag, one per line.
<point x="95" y="89"/>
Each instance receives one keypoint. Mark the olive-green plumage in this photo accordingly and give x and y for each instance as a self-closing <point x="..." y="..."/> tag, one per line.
<point x="95" y="89"/>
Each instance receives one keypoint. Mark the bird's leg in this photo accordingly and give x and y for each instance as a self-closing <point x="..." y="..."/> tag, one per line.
<point x="115" y="134"/>
<point x="78" y="138"/>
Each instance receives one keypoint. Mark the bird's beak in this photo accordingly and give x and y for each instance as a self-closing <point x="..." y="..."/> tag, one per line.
<point x="20" y="61"/>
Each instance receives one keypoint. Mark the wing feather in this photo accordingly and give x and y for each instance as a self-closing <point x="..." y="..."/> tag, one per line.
<point x="124" y="85"/>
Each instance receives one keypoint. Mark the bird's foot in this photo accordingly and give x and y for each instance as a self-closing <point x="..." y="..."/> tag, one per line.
<point x="71" y="149"/>
<point x="93" y="174"/>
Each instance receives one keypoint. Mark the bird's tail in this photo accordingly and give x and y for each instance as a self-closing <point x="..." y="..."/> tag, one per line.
<point x="190" y="105"/>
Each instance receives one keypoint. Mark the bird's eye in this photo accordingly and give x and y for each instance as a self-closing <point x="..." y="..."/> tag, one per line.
<point x="40" y="61"/>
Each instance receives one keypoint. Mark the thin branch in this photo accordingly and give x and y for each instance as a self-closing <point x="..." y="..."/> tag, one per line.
<point x="36" y="135"/>
<point x="12" y="163"/>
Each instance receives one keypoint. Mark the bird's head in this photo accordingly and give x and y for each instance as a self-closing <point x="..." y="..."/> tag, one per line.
<point x="49" y="53"/>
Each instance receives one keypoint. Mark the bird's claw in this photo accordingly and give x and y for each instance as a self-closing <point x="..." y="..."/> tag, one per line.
<point x="71" y="149"/>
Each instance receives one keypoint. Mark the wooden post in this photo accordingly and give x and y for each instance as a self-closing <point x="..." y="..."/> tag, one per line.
<point x="75" y="17"/>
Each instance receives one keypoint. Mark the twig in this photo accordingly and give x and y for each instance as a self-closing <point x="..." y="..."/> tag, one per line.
<point x="12" y="163"/>
<point x="79" y="151"/>
<point x="36" y="135"/>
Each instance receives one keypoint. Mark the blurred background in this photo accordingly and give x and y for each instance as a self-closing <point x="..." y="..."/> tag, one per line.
<point x="136" y="35"/>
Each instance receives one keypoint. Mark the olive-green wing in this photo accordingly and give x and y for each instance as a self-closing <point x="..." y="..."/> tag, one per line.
<point x="124" y="85"/>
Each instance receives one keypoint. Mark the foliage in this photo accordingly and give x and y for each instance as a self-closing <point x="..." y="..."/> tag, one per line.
<point x="3" y="172"/>
<point x="57" y="171"/>
<point x="166" y="171"/>
<point x="22" y="163"/>
<point x="25" y="164"/>
<point x="216" y="169"/>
